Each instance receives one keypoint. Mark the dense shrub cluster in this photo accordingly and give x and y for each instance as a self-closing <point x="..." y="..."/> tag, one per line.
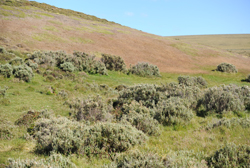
<point x="113" y="63"/>
<point x="226" y="98"/>
<point x="23" y="72"/>
<point x="54" y="160"/>
<point x="6" y="70"/>
<point x="230" y="156"/>
<point x="192" y="81"/>
<point x="91" y="109"/>
<point x="145" y="69"/>
<point x="79" y="61"/>
<point x="225" y="67"/>
<point x="140" y="117"/>
<point x="229" y="123"/>
<point x="18" y="68"/>
<point x="65" y="136"/>
<point x="173" y="112"/>
<point x="144" y="93"/>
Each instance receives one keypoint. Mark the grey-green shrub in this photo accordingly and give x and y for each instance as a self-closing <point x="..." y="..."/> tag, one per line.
<point x="16" y="61"/>
<point x="226" y="98"/>
<point x="229" y="123"/>
<point x="65" y="136"/>
<point x="192" y="94"/>
<point x="230" y="156"/>
<point x="226" y="67"/>
<point x="54" y="160"/>
<point x="6" y="129"/>
<point x="145" y="69"/>
<point x="91" y="109"/>
<point x="140" y="117"/>
<point x="138" y="159"/>
<point x="192" y="81"/>
<point x="23" y="72"/>
<point x="6" y="70"/>
<point x="173" y="111"/>
<point x="3" y="91"/>
<point x="67" y="66"/>
<point x="144" y="93"/>
<point x="248" y="78"/>
<point x="31" y="64"/>
<point x="113" y="63"/>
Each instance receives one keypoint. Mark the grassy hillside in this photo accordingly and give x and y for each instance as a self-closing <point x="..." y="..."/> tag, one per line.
<point x="237" y="43"/>
<point x="29" y="26"/>
<point x="69" y="109"/>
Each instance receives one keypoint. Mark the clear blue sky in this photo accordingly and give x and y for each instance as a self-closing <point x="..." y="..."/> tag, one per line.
<point x="169" y="17"/>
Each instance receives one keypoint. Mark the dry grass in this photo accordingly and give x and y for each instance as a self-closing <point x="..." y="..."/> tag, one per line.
<point x="57" y="32"/>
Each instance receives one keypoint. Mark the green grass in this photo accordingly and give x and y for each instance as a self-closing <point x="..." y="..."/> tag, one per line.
<point x="44" y="14"/>
<point x="47" y="37"/>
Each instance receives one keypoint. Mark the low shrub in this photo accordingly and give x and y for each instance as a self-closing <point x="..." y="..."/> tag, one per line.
<point x="120" y="87"/>
<point x="16" y="61"/>
<point x="192" y="81"/>
<point x="248" y="78"/>
<point x="145" y="69"/>
<point x="92" y="109"/>
<point x="54" y="160"/>
<point x="6" y="70"/>
<point x="230" y="156"/>
<point x="140" y="117"/>
<point x="225" y="67"/>
<point x="111" y="137"/>
<point x="226" y="98"/>
<point x="173" y="112"/>
<point x="31" y="116"/>
<point x="229" y="123"/>
<point x="67" y="66"/>
<point x="138" y="159"/>
<point x="144" y="93"/>
<point x="3" y="91"/>
<point x="191" y="94"/>
<point x="31" y="64"/>
<point x="113" y="63"/>
<point x="65" y="136"/>
<point x="23" y="72"/>
<point x="6" y="129"/>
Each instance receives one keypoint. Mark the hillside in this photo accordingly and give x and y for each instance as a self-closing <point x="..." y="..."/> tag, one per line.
<point x="237" y="43"/>
<point x="29" y="26"/>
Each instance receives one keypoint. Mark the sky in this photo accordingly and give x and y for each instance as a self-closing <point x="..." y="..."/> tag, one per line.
<point x="168" y="17"/>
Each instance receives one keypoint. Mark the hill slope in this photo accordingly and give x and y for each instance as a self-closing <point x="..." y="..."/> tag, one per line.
<point x="29" y="26"/>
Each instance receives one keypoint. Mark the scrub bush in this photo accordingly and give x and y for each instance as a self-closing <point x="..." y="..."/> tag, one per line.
<point x="145" y="69"/>
<point x="91" y="109"/>
<point x="173" y="112"/>
<point x="16" y="61"/>
<point x="230" y="156"/>
<point x="54" y="160"/>
<point x="226" y="98"/>
<point x="23" y="72"/>
<point x="3" y="91"/>
<point x="192" y="81"/>
<point x="113" y="63"/>
<point x="6" y="70"/>
<point x="248" y="78"/>
<point x="229" y="123"/>
<point x="144" y="93"/>
<point x="140" y="117"/>
<point x="31" y="64"/>
<point x="67" y="66"/>
<point x="6" y="129"/>
<point x="138" y="159"/>
<point x="225" y="67"/>
<point x="67" y="137"/>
